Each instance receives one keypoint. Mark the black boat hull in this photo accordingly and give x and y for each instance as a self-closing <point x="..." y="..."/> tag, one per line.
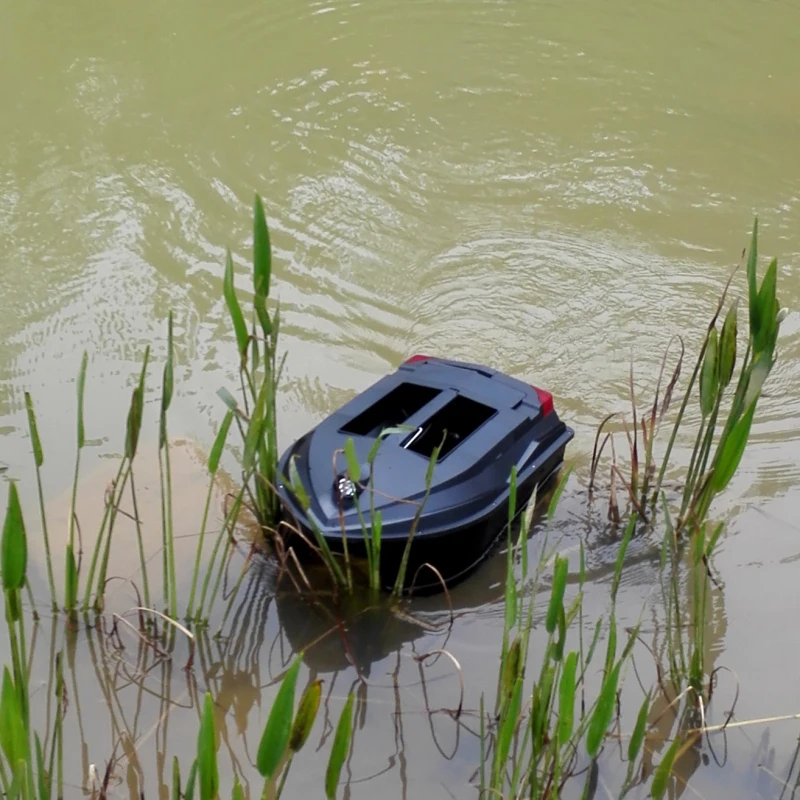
<point x="442" y="551"/>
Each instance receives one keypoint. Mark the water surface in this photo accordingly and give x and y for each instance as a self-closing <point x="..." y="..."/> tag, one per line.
<point x="545" y="187"/>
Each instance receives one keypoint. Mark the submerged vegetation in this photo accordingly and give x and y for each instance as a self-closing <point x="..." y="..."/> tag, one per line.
<point x="546" y="728"/>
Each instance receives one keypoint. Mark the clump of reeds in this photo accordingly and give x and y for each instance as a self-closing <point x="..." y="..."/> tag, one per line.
<point x="727" y="388"/>
<point x="29" y="766"/>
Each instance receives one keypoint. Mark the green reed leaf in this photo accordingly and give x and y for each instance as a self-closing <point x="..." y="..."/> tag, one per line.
<point x="595" y="639"/>
<point x="219" y="443"/>
<point x="255" y="430"/>
<point x="732" y="451"/>
<point x="391" y="431"/>
<point x="297" y="485"/>
<point x="353" y="467"/>
<point x="623" y="548"/>
<point x="167" y="386"/>
<point x="763" y="339"/>
<point x="340" y="748"/>
<point x="275" y="738"/>
<point x="603" y="712"/>
<point x="234" y="309"/>
<point x="262" y="264"/>
<point x="81" y="392"/>
<point x="12" y="726"/>
<point x="727" y="345"/>
<point x="71" y="579"/>
<point x="557" y="593"/>
<point x="709" y="376"/>
<point x="637" y="737"/>
<point x="176" y="779"/>
<point x="14" y="545"/>
<point x="238" y="791"/>
<point x="207" y="769"/>
<point x="566" y="698"/>
<point x="663" y="771"/>
<point x="306" y="716"/>
<point x="42" y="779"/>
<point x="38" y="454"/>
<point x="712" y="542"/>
<point x="554" y="500"/>
<point x="190" y="782"/>
<point x="512" y="668"/>
<point x="508" y="724"/>
<point x="134" y="426"/>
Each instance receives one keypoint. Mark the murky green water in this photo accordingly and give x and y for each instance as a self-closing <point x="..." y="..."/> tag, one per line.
<point x="540" y="186"/>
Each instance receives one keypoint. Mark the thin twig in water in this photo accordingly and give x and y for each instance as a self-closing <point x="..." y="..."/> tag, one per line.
<point x="420" y="658"/>
<point x="441" y="580"/>
<point x="186" y="631"/>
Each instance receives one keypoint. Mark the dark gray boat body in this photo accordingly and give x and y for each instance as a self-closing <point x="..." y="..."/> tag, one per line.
<point x="486" y="423"/>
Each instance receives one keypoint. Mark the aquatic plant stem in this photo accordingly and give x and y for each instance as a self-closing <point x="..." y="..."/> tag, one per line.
<point x="199" y="553"/>
<point x="229" y="517"/>
<point x="140" y="542"/>
<point x="173" y="594"/>
<point x="99" y="542"/>
<point x="46" y="539"/>
<point x="116" y="498"/>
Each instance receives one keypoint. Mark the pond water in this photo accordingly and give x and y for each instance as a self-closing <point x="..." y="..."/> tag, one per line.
<point x="545" y="187"/>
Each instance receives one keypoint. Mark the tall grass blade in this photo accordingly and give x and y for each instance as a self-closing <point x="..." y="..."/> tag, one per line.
<point x="306" y="716"/>
<point x="557" y="593"/>
<point x="277" y="731"/>
<point x="353" y="467"/>
<point x="213" y="465"/>
<point x="191" y="780"/>
<point x="603" y="712"/>
<point x="566" y="698"/>
<point x="340" y="748"/>
<point x="727" y="345"/>
<point x="262" y="264"/>
<point x="38" y="458"/>
<point x="43" y="783"/>
<point x="623" y="548"/>
<point x="176" y="779"/>
<point x="556" y="498"/>
<point x="709" y="376"/>
<point x="71" y="580"/>
<point x="664" y="770"/>
<point x="637" y="737"/>
<point x="507" y="727"/>
<point x="14" y="545"/>
<point x="234" y="309"/>
<point x="12" y="725"/>
<point x="764" y="336"/>
<point x="81" y="433"/>
<point x="731" y="451"/>
<point x="207" y="770"/>
<point x="165" y="478"/>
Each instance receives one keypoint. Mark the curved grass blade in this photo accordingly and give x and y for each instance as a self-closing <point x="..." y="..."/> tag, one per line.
<point x="554" y="500"/>
<point x="262" y="264"/>
<point x="234" y="309"/>
<point x="603" y="712"/>
<point x="277" y="731"/>
<point x="207" y="770"/>
<point x="340" y="748"/>
<point x="664" y="770"/>
<point x="557" y="593"/>
<point x="566" y="698"/>
<point x="306" y="716"/>
<point x="14" y="545"/>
